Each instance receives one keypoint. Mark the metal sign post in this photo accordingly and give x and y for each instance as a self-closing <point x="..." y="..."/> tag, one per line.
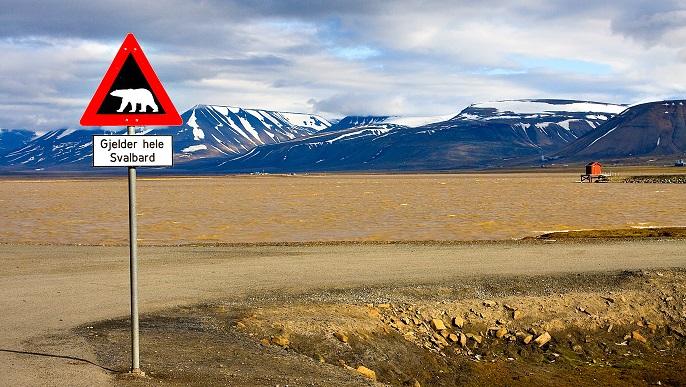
<point x="131" y="94"/>
<point x="133" y="255"/>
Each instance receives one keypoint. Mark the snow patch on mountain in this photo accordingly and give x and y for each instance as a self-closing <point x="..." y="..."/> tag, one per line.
<point x="364" y="132"/>
<point x="306" y="120"/>
<point x="536" y="107"/>
<point x="65" y="133"/>
<point x="414" y="122"/>
<point x="599" y="138"/>
<point x="194" y="148"/>
<point x="198" y="133"/>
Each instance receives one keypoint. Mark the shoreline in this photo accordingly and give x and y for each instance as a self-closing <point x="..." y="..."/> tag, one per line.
<point x="567" y="236"/>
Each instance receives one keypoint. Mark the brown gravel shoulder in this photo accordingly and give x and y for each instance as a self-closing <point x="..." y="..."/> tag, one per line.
<point x="71" y="303"/>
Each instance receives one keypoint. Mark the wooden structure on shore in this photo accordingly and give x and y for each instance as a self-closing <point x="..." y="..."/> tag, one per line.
<point x="594" y="174"/>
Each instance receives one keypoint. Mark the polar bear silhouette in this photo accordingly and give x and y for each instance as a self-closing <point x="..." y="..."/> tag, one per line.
<point x="135" y="97"/>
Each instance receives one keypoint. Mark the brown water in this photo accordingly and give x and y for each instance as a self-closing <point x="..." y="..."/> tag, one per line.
<point x="328" y="208"/>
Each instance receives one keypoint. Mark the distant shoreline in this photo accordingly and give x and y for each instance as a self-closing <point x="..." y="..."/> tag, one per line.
<point x="620" y="172"/>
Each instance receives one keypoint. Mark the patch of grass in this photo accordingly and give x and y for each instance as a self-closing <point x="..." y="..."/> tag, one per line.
<point x="627" y="233"/>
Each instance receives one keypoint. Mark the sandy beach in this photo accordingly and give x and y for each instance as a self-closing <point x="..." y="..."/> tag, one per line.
<point x="49" y="290"/>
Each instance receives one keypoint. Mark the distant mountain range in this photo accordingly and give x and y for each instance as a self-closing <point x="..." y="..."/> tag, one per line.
<point x="222" y="139"/>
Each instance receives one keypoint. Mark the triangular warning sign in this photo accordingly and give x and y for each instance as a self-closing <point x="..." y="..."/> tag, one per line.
<point x="130" y="94"/>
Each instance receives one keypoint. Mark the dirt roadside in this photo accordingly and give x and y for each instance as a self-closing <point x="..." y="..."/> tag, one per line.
<point x="219" y="315"/>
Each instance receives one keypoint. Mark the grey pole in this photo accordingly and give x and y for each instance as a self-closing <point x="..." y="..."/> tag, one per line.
<point x="133" y="237"/>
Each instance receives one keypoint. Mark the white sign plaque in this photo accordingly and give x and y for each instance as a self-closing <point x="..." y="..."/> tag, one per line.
<point x="132" y="151"/>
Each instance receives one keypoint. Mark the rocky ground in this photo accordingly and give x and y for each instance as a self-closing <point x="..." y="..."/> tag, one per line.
<point x="654" y="179"/>
<point x="623" y="328"/>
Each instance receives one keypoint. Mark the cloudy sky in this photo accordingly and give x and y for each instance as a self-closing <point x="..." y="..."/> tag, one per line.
<point x="337" y="58"/>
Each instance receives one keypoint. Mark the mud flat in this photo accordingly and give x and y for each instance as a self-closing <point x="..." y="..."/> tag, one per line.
<point x="526" y="312"/>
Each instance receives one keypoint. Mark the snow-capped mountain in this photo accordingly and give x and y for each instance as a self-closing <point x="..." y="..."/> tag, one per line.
<point x="545" y="123"/>
<point x="66" y="148"/>
<point x="357" y="121"/>
<point x="223" y="139"/>
<point x="482" y="135"/>
<point x="207" y="131"/>
<point x="225" y="131"/>
<point x="649" y="129"/>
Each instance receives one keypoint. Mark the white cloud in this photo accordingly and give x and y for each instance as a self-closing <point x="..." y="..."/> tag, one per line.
<point x="342" y="57"/>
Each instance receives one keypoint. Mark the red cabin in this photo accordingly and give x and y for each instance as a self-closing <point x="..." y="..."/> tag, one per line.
<point x="594" y="174"/>
<point x="593" y="168"/>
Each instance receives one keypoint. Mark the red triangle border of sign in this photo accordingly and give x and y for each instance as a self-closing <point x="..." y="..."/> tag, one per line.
<point x="92" y="118"/>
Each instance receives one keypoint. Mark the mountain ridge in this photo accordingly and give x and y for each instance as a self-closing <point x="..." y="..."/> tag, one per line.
<point x="647" y="129"/>
<point x="218" y="139"/>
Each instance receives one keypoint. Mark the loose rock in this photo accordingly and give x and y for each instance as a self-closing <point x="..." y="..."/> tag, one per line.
<point x="280" y="341"/>
<point x="463" y="340"/>
<point x="340" y="336"/>
<point x="543" y="339"/>
<point x="525" y="337"/>
<point x="366" y="371"/>
<point x="437" y="324"/>
<point x="474" y="337"/>
<point x="638" y="337"/>
<point x="342" y="363"/>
